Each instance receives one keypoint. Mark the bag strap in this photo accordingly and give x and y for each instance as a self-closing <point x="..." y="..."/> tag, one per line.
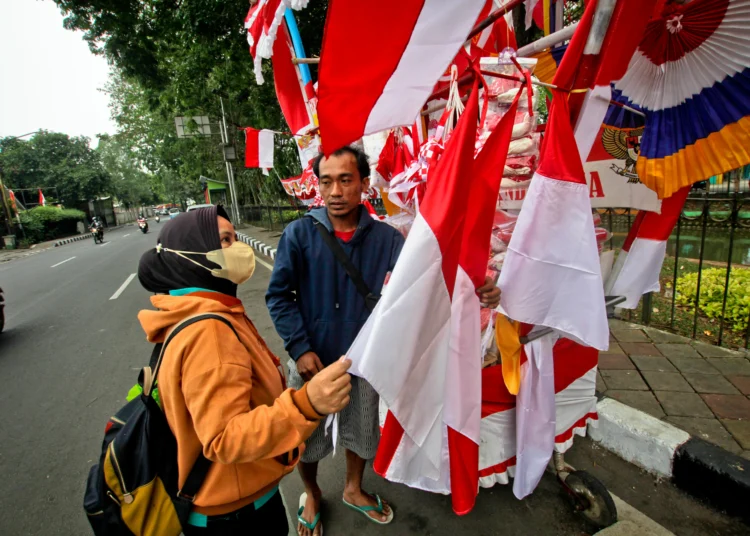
<point x="200" y="468"/>
<point x="355" y="275"/>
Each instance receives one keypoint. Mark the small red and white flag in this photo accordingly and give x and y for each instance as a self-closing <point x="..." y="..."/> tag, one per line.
<point x="12" y="200"/>
<point x="383" y="83"/>
<point x="636" y="271"/>
<point x="42" y="200"/>
<point x="552" y="274"/>
<point x="407" y="351"/>
<point x="258" y="148"/>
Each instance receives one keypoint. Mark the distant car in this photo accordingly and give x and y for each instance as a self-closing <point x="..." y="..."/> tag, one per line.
<point x="174" y="212"/>
<point x="2" y="311"/>
<point x="164" y="212"/>
<point x="196" y="207"/>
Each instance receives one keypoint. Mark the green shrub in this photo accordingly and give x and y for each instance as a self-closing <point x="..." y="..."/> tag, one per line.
<point x="712" y="294"/>
<point x="48" y="223"/>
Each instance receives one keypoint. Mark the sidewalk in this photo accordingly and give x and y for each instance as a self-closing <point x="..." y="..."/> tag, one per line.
<point x="701" y="389"/>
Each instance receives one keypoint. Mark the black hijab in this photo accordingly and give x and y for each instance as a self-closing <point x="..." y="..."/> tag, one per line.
<point x="197" y="231"/>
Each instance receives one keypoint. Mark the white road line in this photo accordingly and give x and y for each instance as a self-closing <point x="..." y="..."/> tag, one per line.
<point x="123" y="287"/>
<point x="126" y="235"/>
<point x="108" y="242"/>
<point x="63" y="262"/>
<point x="264" y="263"/>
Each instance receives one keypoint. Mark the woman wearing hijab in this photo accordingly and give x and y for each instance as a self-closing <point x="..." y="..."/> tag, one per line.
<point x="224" y="394"/>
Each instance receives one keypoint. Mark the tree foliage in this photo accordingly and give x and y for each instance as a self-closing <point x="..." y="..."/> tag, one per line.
<point x="53" y="159"/>
<point x="179" y="58"/>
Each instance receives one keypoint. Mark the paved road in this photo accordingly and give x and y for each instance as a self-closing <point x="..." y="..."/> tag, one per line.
<point x="70" y="353"/>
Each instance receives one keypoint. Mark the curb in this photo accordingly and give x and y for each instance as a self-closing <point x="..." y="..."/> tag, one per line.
<point x="85" y="236"/>
<point x="266" y="250"/>
<point x="704" y="470"/>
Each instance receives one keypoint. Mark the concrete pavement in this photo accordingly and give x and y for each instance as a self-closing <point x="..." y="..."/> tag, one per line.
<point x="70" y="353"/>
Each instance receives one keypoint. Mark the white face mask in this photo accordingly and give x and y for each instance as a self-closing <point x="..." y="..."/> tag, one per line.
<point x="237" y="261"/>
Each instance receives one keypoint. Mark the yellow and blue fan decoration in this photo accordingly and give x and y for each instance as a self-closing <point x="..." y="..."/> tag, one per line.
<point x="547" y="62"/>
<point x="691" y="77"/>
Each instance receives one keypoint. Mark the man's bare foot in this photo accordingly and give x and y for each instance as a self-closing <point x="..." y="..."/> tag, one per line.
<point x="312" y="508"/>
<point x="360" y="498"/>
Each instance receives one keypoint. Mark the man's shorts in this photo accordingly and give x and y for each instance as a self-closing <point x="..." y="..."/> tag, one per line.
<point x="359" y="429"/>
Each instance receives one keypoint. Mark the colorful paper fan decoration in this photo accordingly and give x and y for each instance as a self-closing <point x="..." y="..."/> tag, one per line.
<point x="691" y="76"/>
<point x="547" y="62"/>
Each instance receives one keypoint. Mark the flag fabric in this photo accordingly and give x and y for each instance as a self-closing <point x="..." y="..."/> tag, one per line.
<point x="535" y="418"/>
<point x="287" y="85"/>
<point x="575" y="407"/>
<point x="405" y="348"/>
<point x="383" y="83"/>
<point x="258" y="148"/>
<point x="42" y="200"/>
<point x="596" y="56"/>
<point x="636" y="271"/>
<point x="530" y="7"/>
<point x="12" y="200"/>
<point x="262" y="23"/>
<point x="552" y="275"/>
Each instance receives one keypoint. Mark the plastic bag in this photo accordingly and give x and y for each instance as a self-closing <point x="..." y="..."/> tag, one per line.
<point x="402" y="222"/>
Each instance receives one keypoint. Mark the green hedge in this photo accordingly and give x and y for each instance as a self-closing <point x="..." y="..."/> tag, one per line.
<point x="712" y="294"/>
<point x="49" y="223"/>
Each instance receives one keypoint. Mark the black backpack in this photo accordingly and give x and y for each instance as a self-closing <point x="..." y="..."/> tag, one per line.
<point x="133" y="491"/>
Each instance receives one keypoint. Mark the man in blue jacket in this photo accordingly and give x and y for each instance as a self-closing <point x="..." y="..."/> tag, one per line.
<point x="318" y="311"/>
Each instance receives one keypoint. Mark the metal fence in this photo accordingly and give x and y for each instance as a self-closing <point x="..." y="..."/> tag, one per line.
<point x="277" y="217"/>
<point x="705" y="279"/>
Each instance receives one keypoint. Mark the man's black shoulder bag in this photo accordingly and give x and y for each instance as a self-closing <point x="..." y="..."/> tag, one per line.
<point x="371" y="300"/>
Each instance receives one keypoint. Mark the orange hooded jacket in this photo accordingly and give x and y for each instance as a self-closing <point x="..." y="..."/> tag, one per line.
<point x="226" y="397"/>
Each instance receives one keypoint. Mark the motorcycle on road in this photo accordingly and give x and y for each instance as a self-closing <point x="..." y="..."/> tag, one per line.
<point x="98" y="232"/>
<point x="143" y="225"/>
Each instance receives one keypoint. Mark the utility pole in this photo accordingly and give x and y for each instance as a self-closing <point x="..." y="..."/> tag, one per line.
<point x="229" y="156"/>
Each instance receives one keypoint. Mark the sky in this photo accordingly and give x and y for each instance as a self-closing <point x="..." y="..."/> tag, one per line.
<point x="48" y="78"/>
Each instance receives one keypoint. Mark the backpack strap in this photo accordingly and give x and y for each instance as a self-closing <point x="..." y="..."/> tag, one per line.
<point x="371" y="300"/>
<point x="200" y="468"/>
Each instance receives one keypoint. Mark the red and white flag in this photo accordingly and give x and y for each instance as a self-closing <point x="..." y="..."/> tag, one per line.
<point x="12" y="200"/>
<point x="406" y="349"/>
<point x="638" y="265"/>
<point x="383" y="83"/>
<point x="289" y="91"/>
<point x="42" y="200"/>
<point x="552" y="275"/>
<point x="598" y="54"/>
<point x="258" y="148"/>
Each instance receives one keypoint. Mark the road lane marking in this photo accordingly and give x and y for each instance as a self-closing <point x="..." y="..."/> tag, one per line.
<point x="123" y="287"/>
<point x="126" y="235"/>
<point x="108" y="242"/>
<point x="264" y="263"/>
<point x="63" y="262"/>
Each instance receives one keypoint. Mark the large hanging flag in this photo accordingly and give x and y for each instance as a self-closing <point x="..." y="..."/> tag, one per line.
<point x="638" y="265"/>
<point x="289" y="92"/>
<point x="42" y="200"/>
<point x="383" y="83"/>
<point x="551" y="275"/>
<point x="258" y="148"/>
<point x="405" y="348"/>
<point x="597" y="55"/>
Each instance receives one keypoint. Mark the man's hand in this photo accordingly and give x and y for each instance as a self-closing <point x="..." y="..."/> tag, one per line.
<point x="308" y="365"/>
<point x="329" y="390"/>
<point x="489" y="294"/>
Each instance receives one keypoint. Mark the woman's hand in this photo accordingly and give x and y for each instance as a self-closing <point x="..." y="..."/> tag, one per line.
<point x="329" y="389"/>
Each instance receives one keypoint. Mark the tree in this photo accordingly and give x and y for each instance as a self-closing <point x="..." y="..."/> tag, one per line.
<point x="53" y="159"/>
<point x="178" y="60"/>
<point x="131" y="184"/>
